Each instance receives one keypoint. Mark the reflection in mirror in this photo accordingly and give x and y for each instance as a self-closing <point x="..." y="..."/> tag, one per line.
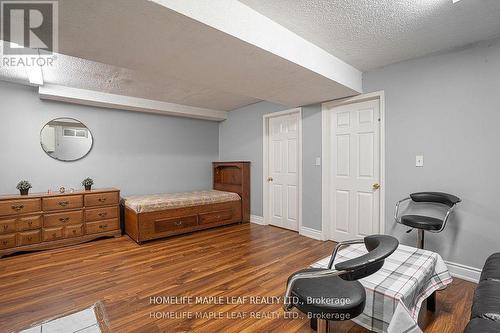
<point x="66" y="139"/>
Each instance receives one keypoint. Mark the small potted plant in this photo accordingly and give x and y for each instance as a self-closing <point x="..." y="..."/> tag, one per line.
<point x="87" y="183"/>
<point x="23" y="186"/>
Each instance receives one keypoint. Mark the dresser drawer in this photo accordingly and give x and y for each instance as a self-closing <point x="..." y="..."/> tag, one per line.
<point x="101" y="199"/>
<point x="22" y="206"/>
<point x="175" y="223"/>
<point x="7" y="226"/>
<point x="214" y="217"/>
<point x="60" y="219"/>
<point x="7" y="241"/>
<point x="101" y="226"/>
<point x="103" y="213"/>
<point x="29" y="223"/>
<point x="73" y="231"/>
<point x="29" y="237"/>
<point x="62" y="202"/>
<point x="51" y="234"/>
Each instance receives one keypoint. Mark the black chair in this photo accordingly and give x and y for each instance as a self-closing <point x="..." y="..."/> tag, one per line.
<point x="426" y="223"/>
<point x="327" y="294"/>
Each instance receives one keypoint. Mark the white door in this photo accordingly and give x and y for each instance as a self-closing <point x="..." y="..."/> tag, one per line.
<point x="283" y="171"/>
<point x="354" y="170"/>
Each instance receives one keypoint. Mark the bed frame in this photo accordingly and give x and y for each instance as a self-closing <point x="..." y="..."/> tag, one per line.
<point x="227" y="176"/>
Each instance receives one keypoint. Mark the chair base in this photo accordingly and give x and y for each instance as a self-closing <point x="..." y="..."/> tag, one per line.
<point x="420" y="238"/>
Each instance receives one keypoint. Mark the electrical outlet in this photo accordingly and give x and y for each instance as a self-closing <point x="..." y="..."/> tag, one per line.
<point x="318" y="161"/>
<point x="419" y="161"/>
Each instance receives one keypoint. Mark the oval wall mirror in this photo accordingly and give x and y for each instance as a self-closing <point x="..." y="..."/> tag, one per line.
<point x="66" y="139"/>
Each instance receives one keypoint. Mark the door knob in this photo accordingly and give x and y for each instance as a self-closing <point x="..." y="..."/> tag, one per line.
<point x="376" y="186"/>
<point x="269" y="179"/>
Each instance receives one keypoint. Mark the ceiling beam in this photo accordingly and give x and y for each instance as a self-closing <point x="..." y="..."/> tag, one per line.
<point x="238" y="20"/>
<point x="106" y="100"/>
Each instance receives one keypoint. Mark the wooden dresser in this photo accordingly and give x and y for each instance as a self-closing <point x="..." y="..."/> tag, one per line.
<point x="45" y="221"/>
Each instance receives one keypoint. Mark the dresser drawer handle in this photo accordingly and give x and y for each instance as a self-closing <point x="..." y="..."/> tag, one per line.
<point x="30" y="238"/>
<point x="218" y="217"/>
<point x="64" y="219"/>
<point x="63" y="203"/>
<point x="5" y="227"/>
<point x="178" y="223"/>
<point x="54" y="235"/>
<point x="103" y="226"/>
<point x="30" y="223"/>
<point x="17" y="207"/>
<point x="102" y="214"/>
<point x="102" y="199"/>
<point x="74" y="231"/>
<point x="5" y="242"/>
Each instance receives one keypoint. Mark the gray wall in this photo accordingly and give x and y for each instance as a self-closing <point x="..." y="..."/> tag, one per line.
<point x="136" y="152"/>
<point x="446" y="107"/>
<point x="240" y="138"/>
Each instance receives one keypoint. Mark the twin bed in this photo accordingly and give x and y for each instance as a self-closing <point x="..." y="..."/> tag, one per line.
<point x="161" y="215"/>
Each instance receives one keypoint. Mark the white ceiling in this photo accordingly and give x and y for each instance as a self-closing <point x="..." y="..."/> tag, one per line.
<point x="187" y="59"/>
<point x="373" y="33"/>
<point x="225" y="54"/>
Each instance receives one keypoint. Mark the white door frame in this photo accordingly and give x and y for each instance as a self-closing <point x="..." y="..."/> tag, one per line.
<point x="265" y="166"/>
<point x="326" y="149"/>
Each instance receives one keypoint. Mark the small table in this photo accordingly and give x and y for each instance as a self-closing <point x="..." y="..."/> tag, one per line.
<point x="395" y="293"/>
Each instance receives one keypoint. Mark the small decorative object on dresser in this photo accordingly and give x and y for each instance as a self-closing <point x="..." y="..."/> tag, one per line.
<point x="48" y="220"/>
<point x="23" y="186"/>
<point x="87" y="183"/>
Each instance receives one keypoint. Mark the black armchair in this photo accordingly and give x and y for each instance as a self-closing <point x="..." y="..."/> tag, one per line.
<point x="333" y="294"/>
<point x="426" y="223"/>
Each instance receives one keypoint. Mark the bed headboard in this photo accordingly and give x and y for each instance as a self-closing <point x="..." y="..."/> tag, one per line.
<point x="234" y="177"/>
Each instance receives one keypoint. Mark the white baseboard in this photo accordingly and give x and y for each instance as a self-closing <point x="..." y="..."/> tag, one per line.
<point x="257" y="219"/>
<point x="464" y="272"/>
<point x="311" y="233"/>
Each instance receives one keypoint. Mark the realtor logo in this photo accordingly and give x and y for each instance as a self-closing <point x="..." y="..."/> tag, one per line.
<point x="29" y="26"/>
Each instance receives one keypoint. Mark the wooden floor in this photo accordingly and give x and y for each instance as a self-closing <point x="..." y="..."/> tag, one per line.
<point x="241" y="260"/>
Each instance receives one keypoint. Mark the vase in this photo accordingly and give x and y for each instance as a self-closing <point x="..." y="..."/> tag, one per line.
<point x="24" y="192"/>
<point x="88" y="187"/>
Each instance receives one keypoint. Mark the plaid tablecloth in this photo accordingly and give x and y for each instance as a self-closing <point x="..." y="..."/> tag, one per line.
<point x="395" y="293"/>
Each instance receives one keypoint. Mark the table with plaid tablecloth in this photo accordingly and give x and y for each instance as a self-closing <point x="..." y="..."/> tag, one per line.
<point x="395" y="293"/>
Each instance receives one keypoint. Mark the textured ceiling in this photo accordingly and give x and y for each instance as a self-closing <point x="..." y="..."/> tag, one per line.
<point x="150" y="50"/>
<point x="373" y="33"/>
<point x="85" y="74"/>
<point x="178" y="54"/>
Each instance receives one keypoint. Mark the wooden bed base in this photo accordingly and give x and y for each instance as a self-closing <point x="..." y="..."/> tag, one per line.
<point x="227" y="176"/>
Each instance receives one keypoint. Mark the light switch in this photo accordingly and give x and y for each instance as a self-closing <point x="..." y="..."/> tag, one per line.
<point x="419" y="160"/>
<point x="318" y="161"/>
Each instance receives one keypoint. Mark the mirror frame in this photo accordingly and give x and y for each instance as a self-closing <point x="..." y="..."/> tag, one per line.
<point x="57" y="159"/>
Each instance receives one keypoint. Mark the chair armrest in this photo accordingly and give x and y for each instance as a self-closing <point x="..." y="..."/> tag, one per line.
<point x="396" y="212"/>
<point x="341" y="244"/>
<point x="287" y="306"/>
<point x="448" y="213"/>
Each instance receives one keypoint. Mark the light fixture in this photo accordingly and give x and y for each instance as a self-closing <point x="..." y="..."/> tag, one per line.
<point x="455" y="1"/>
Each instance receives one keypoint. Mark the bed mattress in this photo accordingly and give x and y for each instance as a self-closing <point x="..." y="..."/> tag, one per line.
<point x="157" y="202"/>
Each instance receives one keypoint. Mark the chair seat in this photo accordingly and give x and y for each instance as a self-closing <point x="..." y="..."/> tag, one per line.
<point x="328" y="298"/>
<point x="422" y="222"/>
